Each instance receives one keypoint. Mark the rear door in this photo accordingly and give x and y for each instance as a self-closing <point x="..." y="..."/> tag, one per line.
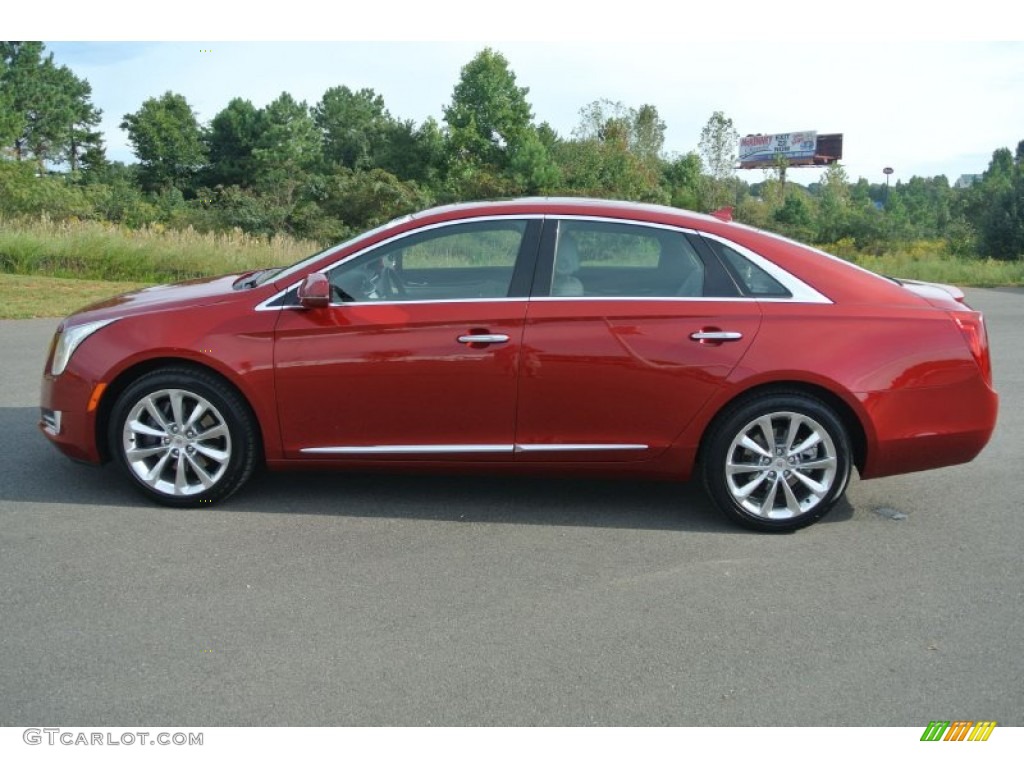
<point x="630" y="331"/>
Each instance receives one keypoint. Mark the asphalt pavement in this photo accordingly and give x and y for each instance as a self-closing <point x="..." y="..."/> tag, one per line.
<point x="356" y="599"/>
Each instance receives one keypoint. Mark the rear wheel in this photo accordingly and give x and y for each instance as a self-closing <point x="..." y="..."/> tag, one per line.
<point x="184" y="437"/>
<point x="778" y="462"/>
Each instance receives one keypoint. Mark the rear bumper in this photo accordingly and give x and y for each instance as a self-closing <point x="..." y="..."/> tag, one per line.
<point x="928" y="428"/>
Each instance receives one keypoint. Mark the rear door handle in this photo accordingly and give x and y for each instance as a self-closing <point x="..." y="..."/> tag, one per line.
<point x="483" y="338"/>
<point x="716" y="336"/>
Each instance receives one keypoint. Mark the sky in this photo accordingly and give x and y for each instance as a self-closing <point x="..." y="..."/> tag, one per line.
<point x="923" y="93"/>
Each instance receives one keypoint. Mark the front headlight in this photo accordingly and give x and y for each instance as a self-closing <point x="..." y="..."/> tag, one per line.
<point x="68" y="341"/>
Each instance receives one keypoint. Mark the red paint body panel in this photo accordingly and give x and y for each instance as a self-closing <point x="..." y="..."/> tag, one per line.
<point x="615" y="372"/>
<point x="619" y="372"/>
<point x="397" y="375"/>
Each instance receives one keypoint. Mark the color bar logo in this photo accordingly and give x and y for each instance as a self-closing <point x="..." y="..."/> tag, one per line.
<point x="958" y="730"/>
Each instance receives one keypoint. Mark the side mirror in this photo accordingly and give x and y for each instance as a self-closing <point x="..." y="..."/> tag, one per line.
<point x="315" y="291"/>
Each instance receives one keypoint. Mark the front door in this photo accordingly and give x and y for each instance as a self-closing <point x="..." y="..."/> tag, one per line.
<point x="418" y="354"/>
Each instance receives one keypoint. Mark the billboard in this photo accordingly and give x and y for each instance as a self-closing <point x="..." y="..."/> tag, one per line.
<point x="760" y="151"/>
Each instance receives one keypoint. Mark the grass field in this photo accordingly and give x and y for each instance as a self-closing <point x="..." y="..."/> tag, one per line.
<point x="97" y="251"/>
<point x="25" y="296"/>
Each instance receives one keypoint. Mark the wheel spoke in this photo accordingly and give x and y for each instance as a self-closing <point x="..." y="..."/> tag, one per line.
<point x="153" y="476"/>
<point x="212" y="453"/>
<point x="749" y="488"/>
<point x="180" y="481"/>
<point x="135" y="454"/>
<point x="792" y="502"/>
<point x="204" y="478"/>
<point x="812" y="440"/>
<point x="736" y="468"/>
<point x="196" y="414"/>
<point x="795" y="422"/>
<point x="151" y="408"/>
<point x="144" y="429"/>
<point x="814" y="485"/>
<point x="751" y="445"/>
<point x="769" y="500"/>
<point x="176" y="410"/>
<point x="765" y="423"/>
<point x="213" y="432"/>
<point x="827" y="462"/>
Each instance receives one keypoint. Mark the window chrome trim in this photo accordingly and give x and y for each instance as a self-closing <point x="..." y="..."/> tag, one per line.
<point x="348" y="450"/>
<point x="262" y="306"/>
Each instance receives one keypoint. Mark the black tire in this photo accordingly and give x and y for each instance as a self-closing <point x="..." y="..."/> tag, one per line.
<point x="196" y="456"/>
<point x="793" y="481"/>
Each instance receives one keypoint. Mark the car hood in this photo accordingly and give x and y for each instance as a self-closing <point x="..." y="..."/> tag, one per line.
<point x="184" y="295"/>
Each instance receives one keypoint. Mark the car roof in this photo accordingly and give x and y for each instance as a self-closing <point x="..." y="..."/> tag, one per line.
<point x="590" y="205"/>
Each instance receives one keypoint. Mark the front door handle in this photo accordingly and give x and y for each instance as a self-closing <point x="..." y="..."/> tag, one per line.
<point x="716" y="336"/>
<point x="483" y="338"/>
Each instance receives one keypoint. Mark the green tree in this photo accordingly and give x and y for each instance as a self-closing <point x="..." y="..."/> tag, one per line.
<point x="615" y="152"/>
<point x="413" y="153"/>
<point x="230" y="140"/>
<point x="167" y="139"/>
<point x="999" y="205"/>
<point x="83" y="144"/>
<point x="796" y="217"/>
<point x="355" y="125"/>
<point x="10" y="125"/>
<point x="48" y="111"/>
<point x="488" y="117"/>
<point x="356" y="200"/>
<point x="719" y="142"/>
<point x="681" y="176"/>
<point x="642" y="131"/>
<point x="22" y="89"/>
<point x="286" y="153"/>
<point x="833" y="205"/>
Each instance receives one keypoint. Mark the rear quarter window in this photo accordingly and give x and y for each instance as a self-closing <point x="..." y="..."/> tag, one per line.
<point x="753" y="280"/>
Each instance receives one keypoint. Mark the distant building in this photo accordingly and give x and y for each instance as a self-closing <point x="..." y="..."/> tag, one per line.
<point x="966" y="180"/>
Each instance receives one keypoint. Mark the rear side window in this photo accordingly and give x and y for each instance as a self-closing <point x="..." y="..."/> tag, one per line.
<point x="753" y="280"/>
<point x="599" y="258"/>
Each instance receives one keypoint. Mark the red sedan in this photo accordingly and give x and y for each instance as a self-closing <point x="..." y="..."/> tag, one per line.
<point x="534" y="335"/>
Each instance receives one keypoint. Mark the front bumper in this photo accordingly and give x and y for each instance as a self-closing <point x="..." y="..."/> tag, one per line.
<point x="66" y="418"/>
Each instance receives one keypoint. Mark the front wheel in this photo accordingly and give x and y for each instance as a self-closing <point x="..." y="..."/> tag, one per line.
<point x="184" y="436"/>
<point x="778" y="462"/>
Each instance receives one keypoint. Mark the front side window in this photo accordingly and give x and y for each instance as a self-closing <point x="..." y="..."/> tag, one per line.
<point x="474" y="260"/>
<point x="598" y="258"/>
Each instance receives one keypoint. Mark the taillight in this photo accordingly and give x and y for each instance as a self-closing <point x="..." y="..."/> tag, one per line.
<point x="972" y="326"/>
